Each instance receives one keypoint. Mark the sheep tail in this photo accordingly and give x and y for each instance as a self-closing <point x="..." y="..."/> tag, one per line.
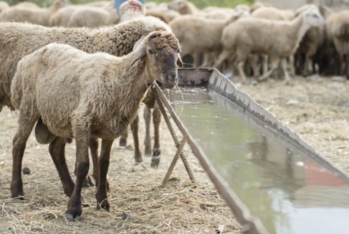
<point x="16" y="92"/>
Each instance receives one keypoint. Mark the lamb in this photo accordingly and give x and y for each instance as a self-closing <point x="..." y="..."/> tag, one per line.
<point x="80" y="95"/>
<point x="280" y="40"/>
<point x="32" y="15"/>
<point x="20" y="39"/>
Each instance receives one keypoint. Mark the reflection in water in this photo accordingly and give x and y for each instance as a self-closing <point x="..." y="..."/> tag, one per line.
<point x="286" y="190"/>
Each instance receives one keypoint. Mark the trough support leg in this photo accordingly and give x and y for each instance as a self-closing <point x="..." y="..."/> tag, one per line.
<point x="159" y="98"/>
<point x="174" y="162"/>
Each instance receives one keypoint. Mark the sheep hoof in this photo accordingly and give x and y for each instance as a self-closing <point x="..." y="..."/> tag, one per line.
<point x="73" y="213"/>
<point x="155" y="161"/>
<point x="87" y="182"/>
<point x="104" y="205"/>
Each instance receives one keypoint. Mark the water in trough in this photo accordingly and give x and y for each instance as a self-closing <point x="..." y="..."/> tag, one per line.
<point x="286" y="189"/>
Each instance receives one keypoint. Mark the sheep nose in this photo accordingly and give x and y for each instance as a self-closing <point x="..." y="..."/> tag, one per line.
<point x="172" y="78"/>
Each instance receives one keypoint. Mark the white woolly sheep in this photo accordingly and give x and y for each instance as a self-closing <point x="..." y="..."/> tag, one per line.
<point x="20" y="39"/>
<point x="277" y="39"/>
<point x="199" y="35"/>
<point x="32" y="15"/>
<point x="270" y="13"/>
<point x="80" y="95"/>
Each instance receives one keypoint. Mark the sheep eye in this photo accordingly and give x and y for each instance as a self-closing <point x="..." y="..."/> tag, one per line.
<point x="150" y="51"/>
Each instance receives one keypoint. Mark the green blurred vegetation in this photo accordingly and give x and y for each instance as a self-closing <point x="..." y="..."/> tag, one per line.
<point x="198" y="3"/>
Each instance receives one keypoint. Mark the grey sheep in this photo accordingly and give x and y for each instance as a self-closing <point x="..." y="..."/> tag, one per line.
<point x="80" y="95"/>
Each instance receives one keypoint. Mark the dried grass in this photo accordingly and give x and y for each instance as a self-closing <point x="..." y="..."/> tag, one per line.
<point x="138" y="203"/>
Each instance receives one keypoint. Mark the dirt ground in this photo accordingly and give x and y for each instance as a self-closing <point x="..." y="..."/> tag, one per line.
<point x="316" y="108"/>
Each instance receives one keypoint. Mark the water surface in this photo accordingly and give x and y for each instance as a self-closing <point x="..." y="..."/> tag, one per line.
<point x="284" y="188"/>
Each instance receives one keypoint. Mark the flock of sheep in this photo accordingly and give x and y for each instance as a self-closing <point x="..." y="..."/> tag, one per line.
<point x="81" y="71"/>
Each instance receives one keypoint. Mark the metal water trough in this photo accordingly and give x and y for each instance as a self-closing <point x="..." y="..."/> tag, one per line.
<point x="262" y="120"/>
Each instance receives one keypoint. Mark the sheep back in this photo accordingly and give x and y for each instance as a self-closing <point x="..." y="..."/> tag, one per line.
<point x="21" y="39"/>
<point x="59" y="82"/>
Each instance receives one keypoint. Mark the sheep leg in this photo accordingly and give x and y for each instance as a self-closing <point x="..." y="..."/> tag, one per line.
<point x="101" y="195"/>
<point x="284" y="68"/>
<point x="82" y="141"/>
<point x="241" y="66"/>
<point x="93" y="144"/>
<point x="223" y="56"/>
<point x="253" y="59"/>
<point x="155" y="160"/>
<point x="56" y="149"/>
<point x="134" y="129"/>
<point x="25" y="126"/>
<point x="274" y="65"/>
<point x="265" y="63"/>
<point x="147" y="140"/>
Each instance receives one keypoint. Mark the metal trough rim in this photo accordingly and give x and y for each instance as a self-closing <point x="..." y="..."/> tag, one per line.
<point x="215" y="81"/>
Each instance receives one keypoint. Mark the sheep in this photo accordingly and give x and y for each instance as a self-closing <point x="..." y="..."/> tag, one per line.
<point x="80" y="95"/>
<point x="20" y="39"/>
<point x="131" y="9"/>
<point x="271" y="13"/>
<point x="198" y="35"/>
<point x="92" y="17"/>
<point x="33" y="15"/>
<point x="3" y="6"/>
<point x="184" y="7"/>
<point x="26" y="5"/>
<point x="313" y="41"/>
<point x="128" y="10"/>
<point x="337" y="26"/>
<point x="277" y="39"/>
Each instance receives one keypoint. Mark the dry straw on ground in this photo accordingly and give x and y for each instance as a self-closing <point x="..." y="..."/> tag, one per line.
<point x="316" y="108"/>
<point x="138" y="203"/>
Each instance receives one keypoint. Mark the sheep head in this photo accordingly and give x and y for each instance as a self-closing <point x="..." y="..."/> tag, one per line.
<point x="313" y="17"/>
<point x="131" y="9"/>
<point x="180" y="6"/>
<point x="161" y="52"/>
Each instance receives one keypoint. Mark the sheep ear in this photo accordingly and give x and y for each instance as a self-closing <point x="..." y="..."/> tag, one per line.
<point x="139" y="49"/>
<point x="138" y="43"/>
<point x="179" y="61"/>
<point x="139" y="53"/>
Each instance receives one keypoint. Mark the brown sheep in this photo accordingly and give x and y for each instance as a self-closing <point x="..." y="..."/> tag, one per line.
<point x="100" y="98"/>
<point x="18" y="40"/>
